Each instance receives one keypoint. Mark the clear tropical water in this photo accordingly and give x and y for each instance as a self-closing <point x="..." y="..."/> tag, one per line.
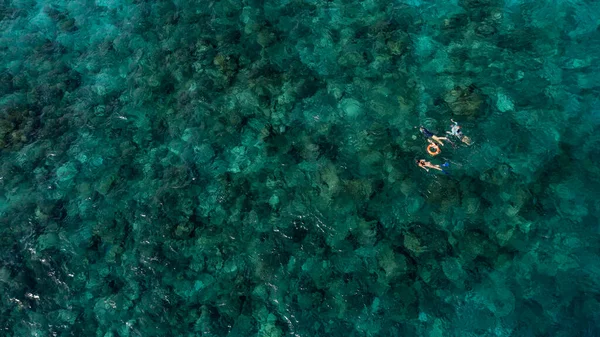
<point x="247" y="168"/>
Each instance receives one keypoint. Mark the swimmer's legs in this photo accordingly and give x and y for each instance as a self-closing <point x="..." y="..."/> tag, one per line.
<point x="439" y="139"/>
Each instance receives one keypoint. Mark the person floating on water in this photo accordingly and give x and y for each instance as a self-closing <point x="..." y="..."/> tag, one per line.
<point x="456" y="131"/>
<point x="431" y="136"/>
<point x="426" y="165"/>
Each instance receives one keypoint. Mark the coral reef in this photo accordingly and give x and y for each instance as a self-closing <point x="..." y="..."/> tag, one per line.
<point x="246" y="168"/>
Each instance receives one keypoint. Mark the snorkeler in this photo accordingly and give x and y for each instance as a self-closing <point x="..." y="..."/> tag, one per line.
<point x="429" y="135"/>
<point x="426" y="165"/>
<point x="456" y="131"/>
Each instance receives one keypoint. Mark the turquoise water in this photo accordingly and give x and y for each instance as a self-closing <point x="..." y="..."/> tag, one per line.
<point x="247" y="168"/>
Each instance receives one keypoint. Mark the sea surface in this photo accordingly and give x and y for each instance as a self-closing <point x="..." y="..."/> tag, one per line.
<point x="248" y="168"/>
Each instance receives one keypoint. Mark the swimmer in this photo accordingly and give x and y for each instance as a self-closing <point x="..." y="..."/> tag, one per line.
<point x="456" y="131"/>
<point x="429" y="135"/>
<point x="426" y="165"/>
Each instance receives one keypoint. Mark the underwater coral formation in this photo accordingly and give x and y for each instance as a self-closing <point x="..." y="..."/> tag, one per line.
<point x="247" y="168"/>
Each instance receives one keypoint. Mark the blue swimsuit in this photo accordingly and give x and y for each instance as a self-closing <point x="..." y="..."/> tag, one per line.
<point x="427" y="133"/>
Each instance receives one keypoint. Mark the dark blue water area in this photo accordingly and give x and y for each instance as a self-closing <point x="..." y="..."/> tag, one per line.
<point x="252" y="168"/>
